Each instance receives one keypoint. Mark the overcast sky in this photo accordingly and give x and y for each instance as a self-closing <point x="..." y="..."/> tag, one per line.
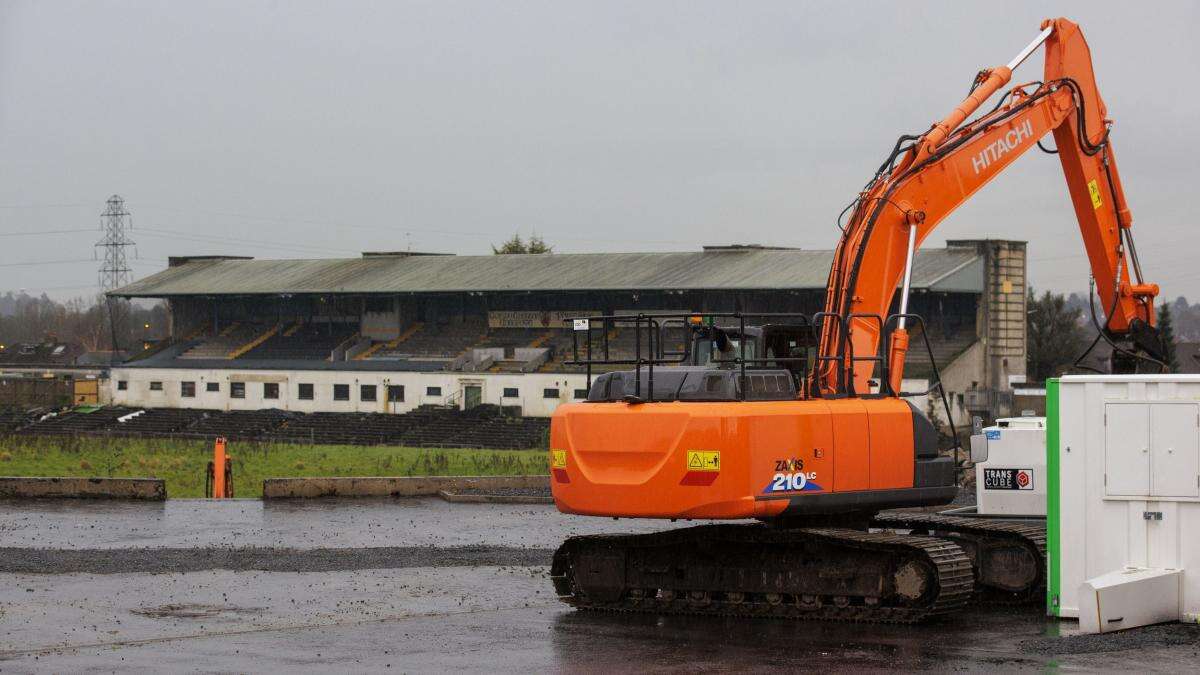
<point x="292" y="129"/>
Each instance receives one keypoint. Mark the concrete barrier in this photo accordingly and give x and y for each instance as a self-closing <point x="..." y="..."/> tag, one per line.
<point x="392" y="486"/>
<point x="16" y="487"/>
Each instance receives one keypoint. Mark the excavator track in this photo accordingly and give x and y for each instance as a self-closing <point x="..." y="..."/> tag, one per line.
<point x="757" y="570"/>
<point x="1009" y="559"/>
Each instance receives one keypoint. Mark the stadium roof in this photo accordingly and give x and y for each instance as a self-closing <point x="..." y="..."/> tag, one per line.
<point x="955" y="268"/>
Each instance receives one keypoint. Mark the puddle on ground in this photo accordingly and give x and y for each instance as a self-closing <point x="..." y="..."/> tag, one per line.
<point x="191" y="610"/>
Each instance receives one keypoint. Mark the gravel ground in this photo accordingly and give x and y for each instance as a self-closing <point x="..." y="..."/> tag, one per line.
<point x="965" y="497"/>
<point x="1164" y="635"/>
<point x="177" y="560"/>
<point x="506" y="492"/>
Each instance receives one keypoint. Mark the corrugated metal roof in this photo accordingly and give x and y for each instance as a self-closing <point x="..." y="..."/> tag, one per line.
<point x="737" y="269"/>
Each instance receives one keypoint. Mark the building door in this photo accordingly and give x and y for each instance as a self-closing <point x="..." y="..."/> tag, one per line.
<point x="472" y="396"/>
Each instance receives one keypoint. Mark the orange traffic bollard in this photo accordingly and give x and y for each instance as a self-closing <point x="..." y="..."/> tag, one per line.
<point x="219" y="468"/>
<point x="220" y="473"/>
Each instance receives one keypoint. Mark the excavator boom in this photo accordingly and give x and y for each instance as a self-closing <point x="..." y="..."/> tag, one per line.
<point x="924" y="182"/>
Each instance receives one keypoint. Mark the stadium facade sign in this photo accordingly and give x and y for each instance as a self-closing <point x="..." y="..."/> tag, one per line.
<point x="534" y="319"/>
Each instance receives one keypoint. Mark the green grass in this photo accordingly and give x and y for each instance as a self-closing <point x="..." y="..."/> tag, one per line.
<point x="183" y="463"/>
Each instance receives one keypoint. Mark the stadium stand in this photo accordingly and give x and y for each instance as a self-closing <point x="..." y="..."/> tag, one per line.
<point x="421" y="313"/>
<point x="310" y="342"/>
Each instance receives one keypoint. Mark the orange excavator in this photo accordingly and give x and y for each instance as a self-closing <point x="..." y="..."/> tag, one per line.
<point x="813" y="439"/>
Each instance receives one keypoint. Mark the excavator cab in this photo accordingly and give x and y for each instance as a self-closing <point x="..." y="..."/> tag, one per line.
<point x="794" y="344"/>
<point x="719" y="358"/>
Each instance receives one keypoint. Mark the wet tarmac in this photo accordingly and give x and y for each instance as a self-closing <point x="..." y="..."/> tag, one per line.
<point x="427" y="606"/>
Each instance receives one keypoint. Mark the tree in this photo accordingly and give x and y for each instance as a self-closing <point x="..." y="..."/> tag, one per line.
<point x="1166" y="331"/>
<point x="517" y="245"/>
<point x="1055" y="336"/>
<point x="538" y="245"/>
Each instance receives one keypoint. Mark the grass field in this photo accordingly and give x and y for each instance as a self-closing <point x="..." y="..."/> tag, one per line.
<point x="183" y="463"/>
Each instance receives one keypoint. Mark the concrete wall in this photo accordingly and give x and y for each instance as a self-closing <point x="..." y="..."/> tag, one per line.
<point x="530" y="389"/>
<point x="1001" y="321"/>
<point x="958" y="376"/>
<point x="381" y="326"/>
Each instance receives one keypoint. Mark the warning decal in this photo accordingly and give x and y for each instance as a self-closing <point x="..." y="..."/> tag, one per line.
<point x="558" y="459"/>
<point x="1094" y="191"/>
<point x="703" y="460"/>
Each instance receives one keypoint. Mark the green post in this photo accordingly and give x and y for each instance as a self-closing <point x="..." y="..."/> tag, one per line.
<point x="1053" y="532"/>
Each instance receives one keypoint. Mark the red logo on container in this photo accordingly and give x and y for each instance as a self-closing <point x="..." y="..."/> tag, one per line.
<point x="1022" y="478"/>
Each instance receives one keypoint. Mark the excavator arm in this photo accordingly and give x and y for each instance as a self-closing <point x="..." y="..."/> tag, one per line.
<point x="928" y="176"/>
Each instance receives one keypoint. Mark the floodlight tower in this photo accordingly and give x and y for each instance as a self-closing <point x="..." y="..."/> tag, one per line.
<point x="114" y="273"/>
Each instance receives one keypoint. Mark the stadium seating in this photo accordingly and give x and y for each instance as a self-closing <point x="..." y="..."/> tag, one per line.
<point x="229" y="339"/>
<point x="242" y="425"/>
<point x="78" y="421"/>
<point x="156" y="422"/>
<point x="485" y="426"/>
<point x="444" y="341"/>
<point x="946" y="348"/>
<point x="311" y="342"/>
<point x="382" y="350"/>
<point x="12" y="419"/>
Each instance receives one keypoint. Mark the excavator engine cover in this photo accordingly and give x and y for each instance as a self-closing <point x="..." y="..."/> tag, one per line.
<point x="742" y="459"/>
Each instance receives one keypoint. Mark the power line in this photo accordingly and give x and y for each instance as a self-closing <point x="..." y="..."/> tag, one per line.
<point x="44" y="262"/>
<point x="399" y="228"/>
<point x="35" y="234"/>
<point x="175" y="234"/>
<point x="42" y="206"/>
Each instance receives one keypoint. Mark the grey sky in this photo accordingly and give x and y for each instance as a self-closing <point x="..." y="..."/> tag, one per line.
<point x="324" y="129"/>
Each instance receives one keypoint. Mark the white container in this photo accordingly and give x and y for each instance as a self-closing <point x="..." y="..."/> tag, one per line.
<point x="1124" y="488"/>
<point x="1010" y="467"/>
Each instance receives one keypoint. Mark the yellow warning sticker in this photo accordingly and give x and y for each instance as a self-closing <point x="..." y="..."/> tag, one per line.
<point x="558" y="459"/>
<point x="1094" y="191"/>
<point x="703" y="460"/>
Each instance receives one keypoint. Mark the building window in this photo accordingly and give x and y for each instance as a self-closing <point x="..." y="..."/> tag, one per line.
<point x="395" y="393"/>
<point x="341" y="392"/>
<point x="187" y="389"/>
<point x="156" y="386"/>
<point x="306" y="392"/>
<point x="212" y="386"/>
<point x="433" y="391"/>
<point x="237" y="390"/>
<point x="270" y="390"/>
<point x="581" y="393"/>
<point x="510" y="392"/>
<point x="366" y="392"/>
<point x="550" y="393"/>
<point x="122" y="385"/>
